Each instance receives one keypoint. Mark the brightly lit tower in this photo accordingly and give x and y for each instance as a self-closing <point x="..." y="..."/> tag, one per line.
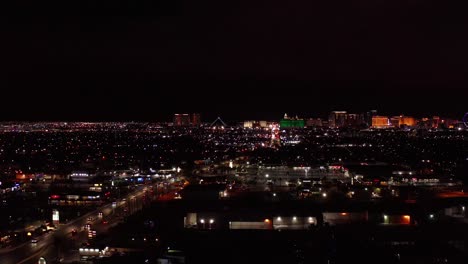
<point x="275" y="135"/>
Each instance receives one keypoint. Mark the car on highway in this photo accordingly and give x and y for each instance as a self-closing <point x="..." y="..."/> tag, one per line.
<point x="34" y="241"/>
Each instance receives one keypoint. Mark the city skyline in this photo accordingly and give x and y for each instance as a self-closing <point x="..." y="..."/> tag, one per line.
<point x="246" y="131"/>
<point x="234" y="102"/>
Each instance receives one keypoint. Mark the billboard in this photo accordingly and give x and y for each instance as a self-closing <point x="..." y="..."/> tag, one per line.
<point x="55" y="217"/>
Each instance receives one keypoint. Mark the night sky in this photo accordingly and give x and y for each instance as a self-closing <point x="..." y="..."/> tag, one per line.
<point x="65" y="60"/>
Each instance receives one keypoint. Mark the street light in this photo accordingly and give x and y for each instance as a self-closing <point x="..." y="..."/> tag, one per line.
<point x="211" y="222"/>
<point x="203" y="222"/>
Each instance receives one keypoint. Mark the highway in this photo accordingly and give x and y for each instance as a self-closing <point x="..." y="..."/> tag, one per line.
<point x="61" y="243"/>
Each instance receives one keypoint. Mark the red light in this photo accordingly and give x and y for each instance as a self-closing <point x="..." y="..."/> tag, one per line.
<point x="55" y="196"/>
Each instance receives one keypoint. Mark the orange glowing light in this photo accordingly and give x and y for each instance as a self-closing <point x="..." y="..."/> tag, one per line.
<point x="380" y="121"/>
<point x="344" y="213"/>
<point x="406" y="219"/>
<point x="267" y="221"/>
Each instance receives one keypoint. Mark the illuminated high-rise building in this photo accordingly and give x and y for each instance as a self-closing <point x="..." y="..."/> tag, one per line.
<point x="368" y="117"/>
<point x="248" y="124"/>
<point x="288" y="122"/>
<point x="337" y="119"/>
<point x="380" y="122"/>
<point x="275" y="135"/>
<point x="314" y="122"/>
<point x="408" y="121"/>
<point x="255" y="124"/>
<point x="195" y="119"/>
<point x="403" y="121"/>
<point x="449" y="123"/>
<point x="435" y="122"/>
<point x="395" y="121"/>
<point x="181" y="120"/>
<point x="354" y="120"/>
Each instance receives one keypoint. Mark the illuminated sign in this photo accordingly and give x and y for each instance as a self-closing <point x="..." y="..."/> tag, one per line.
<point x="55" y="216"/>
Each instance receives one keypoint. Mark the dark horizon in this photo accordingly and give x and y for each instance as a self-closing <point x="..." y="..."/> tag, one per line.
<point x="146" y="60"/>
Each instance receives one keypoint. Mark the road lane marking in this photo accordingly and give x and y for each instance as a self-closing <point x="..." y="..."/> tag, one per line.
<point x="33" y="256"/>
